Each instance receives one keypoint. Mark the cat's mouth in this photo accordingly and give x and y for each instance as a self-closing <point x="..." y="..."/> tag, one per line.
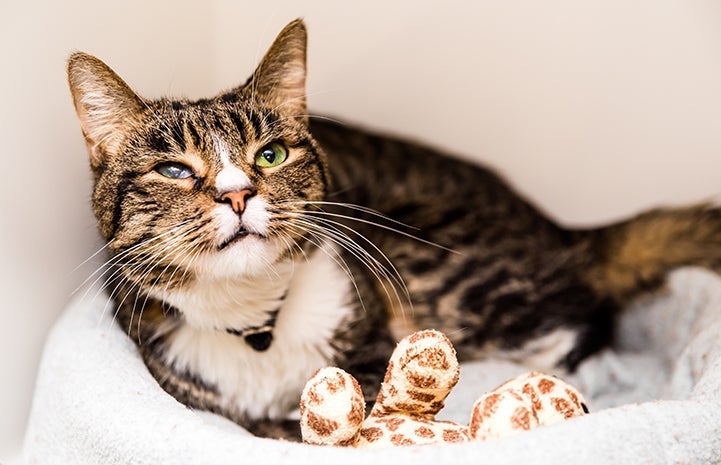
<point x="239" y="235"/>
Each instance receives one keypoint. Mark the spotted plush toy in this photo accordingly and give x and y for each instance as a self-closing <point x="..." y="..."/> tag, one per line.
<point x="421" y="373"/>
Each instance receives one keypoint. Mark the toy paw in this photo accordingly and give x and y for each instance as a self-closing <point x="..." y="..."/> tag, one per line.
<point x="523" y="403"/>
<point x="421" y="373"/>
<point x="331" y="409"/>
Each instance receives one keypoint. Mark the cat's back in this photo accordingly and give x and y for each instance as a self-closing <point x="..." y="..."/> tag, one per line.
<point x="358" y="154"/>
<point x="478" y="260"/>
<point x="419" y="185"/>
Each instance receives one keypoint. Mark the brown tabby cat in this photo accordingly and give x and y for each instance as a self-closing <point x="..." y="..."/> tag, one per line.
<point x="250" y="246"/>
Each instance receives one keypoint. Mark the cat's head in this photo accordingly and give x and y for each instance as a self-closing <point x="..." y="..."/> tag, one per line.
<point x="211" y="186"/>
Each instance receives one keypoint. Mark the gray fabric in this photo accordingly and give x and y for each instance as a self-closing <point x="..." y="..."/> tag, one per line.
<point x="655" y="397"/>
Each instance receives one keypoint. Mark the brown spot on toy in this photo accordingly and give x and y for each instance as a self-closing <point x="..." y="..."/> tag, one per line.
<point x="410" y="407"/>
<point x="425" y="432"/>
<point x="433" y="357"/>
<point x="314" y="398"/>
<point x="489" y="404"/>
<point x="422" y="382"/>
<point x="357" y="388"/>
<point x="400" y="440"/>
<point x="417" y="336"/>
<point x="572" y="395"/>
<point x="433" y="408"/>
<point x="477" y="418"/>
<point x="421" y="396"/>
<point x="371" y="434"/>
<point x="378" y="411"/>
<point x="341" y="380"/>
<point x="381" y="397"/>
<point x="562" y="406"/>
<point x="546" y="385"/>
<point x="451" y="435"/>
<point x="332" y="386"/>
<point x="356" y="414"/>
<point x="388" y="375"/>
<point x="476" y="422"/>
<point x="533" y="395"/>
<point x="321" y="425"/>
<point x="392" y="423"/>
<point x="521" y="418"/>
<point x="346" y="442"/>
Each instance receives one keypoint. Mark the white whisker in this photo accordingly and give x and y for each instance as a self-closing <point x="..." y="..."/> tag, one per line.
<point x="388" y="228"/>
<point x="191" y="250"/>
<point x="171" y="250"/>
<point x="350" y="206"/>
<point x="123" y="254"/>
<point x="152" y="246"/>
<point x="358" y="252"/>
<point x="107" y="244"/>
<point x="394" y="277"/>
<point x="337" y="259"/>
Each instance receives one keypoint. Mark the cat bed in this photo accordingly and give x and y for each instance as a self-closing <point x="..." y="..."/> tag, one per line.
<point x="655" y="397"/>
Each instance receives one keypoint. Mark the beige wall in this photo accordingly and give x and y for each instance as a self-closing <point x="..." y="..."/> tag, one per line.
<point x="46" y="228"/>
<point x="594" y="108"/>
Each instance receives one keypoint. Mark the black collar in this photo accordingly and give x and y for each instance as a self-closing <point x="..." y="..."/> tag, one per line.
<point x="258" y="337"/>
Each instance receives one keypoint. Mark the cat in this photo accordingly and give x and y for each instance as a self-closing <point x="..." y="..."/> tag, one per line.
<point x="251" y="244"/>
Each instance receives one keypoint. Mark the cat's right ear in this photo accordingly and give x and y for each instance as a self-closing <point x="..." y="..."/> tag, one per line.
<point x="279" y="79"/>
<point x="105" y="104"/>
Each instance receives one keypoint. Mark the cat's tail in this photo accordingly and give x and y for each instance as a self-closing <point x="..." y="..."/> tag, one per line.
<point x="635" y="255"/>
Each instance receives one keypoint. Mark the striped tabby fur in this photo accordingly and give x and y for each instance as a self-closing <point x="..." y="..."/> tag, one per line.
<point x="478" y="262"/>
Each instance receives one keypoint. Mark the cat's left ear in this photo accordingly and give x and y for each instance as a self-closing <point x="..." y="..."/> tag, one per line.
<point x="279" y="80"/>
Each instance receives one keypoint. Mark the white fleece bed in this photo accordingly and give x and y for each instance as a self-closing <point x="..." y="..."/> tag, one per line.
<point x="655" y="397"/>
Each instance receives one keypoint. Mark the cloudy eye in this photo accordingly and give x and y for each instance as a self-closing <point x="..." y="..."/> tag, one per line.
<point x="271" y="155"/>
<point x="174" y="170"/>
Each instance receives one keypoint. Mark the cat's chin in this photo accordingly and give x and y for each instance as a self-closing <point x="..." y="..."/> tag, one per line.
<point x="239" y="235"/>
<point x="244" y="254"/>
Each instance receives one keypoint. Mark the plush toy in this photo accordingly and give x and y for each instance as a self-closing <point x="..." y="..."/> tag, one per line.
<point x="421" y="373"/>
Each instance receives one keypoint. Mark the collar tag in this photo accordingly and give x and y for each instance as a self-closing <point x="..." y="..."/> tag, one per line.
<point x="259" y="341"/>
<point x="259" y="338"/>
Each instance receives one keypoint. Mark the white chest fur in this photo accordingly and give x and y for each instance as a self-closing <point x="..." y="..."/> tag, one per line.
<point x="268" y="383"/>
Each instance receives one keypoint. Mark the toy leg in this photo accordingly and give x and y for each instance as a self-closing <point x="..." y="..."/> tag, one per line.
<point x="421" y="373"/>
<point x="331" y="409"/>
<point x="501" y="413"/>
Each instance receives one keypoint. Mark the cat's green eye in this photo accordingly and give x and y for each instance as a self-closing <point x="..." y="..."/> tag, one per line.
<point x="271" y="155"/>
<point x="174" y="170"/>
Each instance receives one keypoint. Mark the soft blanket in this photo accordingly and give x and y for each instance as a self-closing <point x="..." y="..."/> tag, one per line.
<point x="655" y="397"/>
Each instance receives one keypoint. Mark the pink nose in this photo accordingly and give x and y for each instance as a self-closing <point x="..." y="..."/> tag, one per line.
<point x="237" y="199"/>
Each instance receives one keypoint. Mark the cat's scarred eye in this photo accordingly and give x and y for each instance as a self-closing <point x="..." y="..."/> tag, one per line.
<point x="174" y="170"/>
<point x="271" y="155"/>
